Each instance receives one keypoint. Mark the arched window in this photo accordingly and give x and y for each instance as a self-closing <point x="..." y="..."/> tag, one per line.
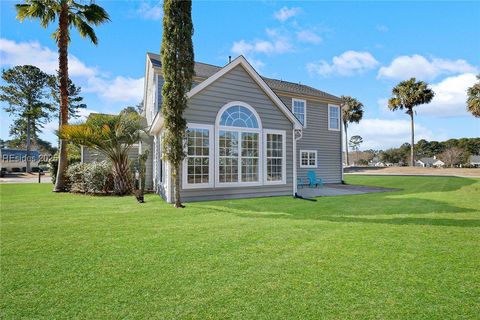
<point x="238" y="116"/>
<point x="238" y="144"/>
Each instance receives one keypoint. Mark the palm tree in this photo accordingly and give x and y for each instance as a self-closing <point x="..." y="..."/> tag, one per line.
<point x="70" y="14"/>
<point x="407" y="95"/>
<point x="352" y="111"/>
<point x="473" y="101"/>
<point x="113" y="136"/>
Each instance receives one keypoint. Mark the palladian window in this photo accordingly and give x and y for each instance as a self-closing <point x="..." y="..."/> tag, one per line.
<point x="239" y="146"/>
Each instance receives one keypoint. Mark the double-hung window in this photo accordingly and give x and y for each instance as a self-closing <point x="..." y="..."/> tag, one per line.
<point x="239" y="146"/>
<point x="308" y="158"/>
<point x="299" y="108"/>
<point x="275" y="165"/>
<point x="198" y="163"/>
<point x="333" y="117"/>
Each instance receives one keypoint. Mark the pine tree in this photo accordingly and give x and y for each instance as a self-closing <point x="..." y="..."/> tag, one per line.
<point x="178" y="69"/>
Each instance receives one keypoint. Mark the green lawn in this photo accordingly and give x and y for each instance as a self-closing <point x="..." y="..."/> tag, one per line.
<point x="411" y="254"/>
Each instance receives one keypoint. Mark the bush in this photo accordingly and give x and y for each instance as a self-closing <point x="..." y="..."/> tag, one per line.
<point x="95" y="177"/>
<point x="74" y="156"/>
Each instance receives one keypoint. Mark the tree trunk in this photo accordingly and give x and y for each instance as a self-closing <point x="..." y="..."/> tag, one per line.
<point x="63" y="75"/>
<point x="412" y="145"/>
<point x="176" y="177"/>
<point x="121" y="178"/>
<point x="27" y="158"/>
<point x="346" y="146"/>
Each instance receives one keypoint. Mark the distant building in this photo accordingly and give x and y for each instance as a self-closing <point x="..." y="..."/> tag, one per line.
<point x="430" y="162"/>
<point x="475" y="161"/>
<point x="14" y="160"/>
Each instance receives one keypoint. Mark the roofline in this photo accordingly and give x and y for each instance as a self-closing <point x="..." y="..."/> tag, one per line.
<point x="240" y="60"/>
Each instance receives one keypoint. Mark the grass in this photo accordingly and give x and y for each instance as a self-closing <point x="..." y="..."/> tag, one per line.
<point x="412" y="254"/>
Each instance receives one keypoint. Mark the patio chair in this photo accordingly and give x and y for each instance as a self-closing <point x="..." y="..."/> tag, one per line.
<point x="314" y="181"/>
<point x="302" y="183"/>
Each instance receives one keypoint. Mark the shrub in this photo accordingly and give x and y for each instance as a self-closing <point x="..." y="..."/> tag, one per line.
<point x="74" y="156"/>
<point x="94" y="177"/>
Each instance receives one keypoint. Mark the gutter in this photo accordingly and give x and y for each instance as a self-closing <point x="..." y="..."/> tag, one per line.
<point x="295" y="139"/>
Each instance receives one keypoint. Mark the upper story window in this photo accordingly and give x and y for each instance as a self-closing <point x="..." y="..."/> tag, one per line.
<point x="333" y="117"/>
<point x="299" y="108"/>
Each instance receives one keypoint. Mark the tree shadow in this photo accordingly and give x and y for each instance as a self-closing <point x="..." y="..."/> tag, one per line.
<point x="360" y="208"/>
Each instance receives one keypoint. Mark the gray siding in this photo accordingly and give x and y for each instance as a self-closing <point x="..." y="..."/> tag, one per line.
<point x="237" y="85"/>
<point x="316" y="136"/>
<point x="91" y="155"/>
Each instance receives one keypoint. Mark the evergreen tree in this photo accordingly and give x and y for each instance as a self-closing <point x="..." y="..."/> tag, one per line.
<point x="473" y="101"/>
<point x="75" y="101"/>
<point x="26" y="96"/>
<point x="352" y="112"/>
<point x="178" y="70"/>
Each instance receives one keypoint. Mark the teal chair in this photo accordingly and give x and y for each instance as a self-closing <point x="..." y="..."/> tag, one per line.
<point x="314" y="181"/>
<point x="302" y="183"/>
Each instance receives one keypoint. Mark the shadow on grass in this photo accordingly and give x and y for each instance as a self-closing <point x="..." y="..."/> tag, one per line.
<point x="345" y="208"/>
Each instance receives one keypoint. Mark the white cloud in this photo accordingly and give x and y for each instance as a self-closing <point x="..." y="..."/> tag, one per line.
<point x="20" y="53"/>
<point x="449" y="100"/>
<point x="308" y="36"/>
<point x="286" y="13"/>
<point x="150" y="11"/>
<point x="347" y="64"/>
<point x="275" y="44"/>
<point x="382" y="28"/>
<point x="119" y="89"/>
<point x="383" y="134"/>
<point x="418" y="66"/>
<point x="450" y="97"/>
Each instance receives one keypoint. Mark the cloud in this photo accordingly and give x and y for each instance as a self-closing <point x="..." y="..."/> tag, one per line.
<point x="383" y="134"/>
<point x="286" y="13"/>
<point x="449" y="100"/>
<point x="150" y="11"/>
<point x="21" y="53"/>
<point x="274" y="44"/>
<point x="347" y="64"/>
<point x="382" y="28"/>
<point x="308" y="36"/>
<point x="405" y="67"/>
<point x="118" y="89"/>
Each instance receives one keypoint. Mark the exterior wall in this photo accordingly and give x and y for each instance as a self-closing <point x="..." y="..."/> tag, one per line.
<point x="316" y="136"/>
<point x="91" y="155"/>
<point x="237" y="85"/>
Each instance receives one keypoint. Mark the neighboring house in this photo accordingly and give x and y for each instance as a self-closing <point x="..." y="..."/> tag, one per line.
<point x="475" y="161"/>
<point x="430" y="162"/>
<point x="248" y="136"/>
<point x="14" y="160"/>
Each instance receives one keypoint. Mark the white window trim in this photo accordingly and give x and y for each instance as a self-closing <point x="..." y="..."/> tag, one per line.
<point x="211" y="162"/>
<point x="309" y="166"/>
<point x="284" y="157"/>
<point x="339" y="118"/>
<point x="258" y="130"/>
<point x="304" y="110"/>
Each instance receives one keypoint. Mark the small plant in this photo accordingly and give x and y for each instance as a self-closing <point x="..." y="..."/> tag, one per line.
<point x="140" y="173"/>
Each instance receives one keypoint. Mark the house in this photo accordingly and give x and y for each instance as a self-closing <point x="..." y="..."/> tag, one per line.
<point x="248" y="136"/>
<point x="474" y="161"/>
<point x="430" y="162"/>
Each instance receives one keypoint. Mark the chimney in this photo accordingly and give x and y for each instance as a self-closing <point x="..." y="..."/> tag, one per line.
<point x="229" y="59"/>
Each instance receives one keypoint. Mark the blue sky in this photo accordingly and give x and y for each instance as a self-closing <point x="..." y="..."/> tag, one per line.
<point x="358" y="48"/>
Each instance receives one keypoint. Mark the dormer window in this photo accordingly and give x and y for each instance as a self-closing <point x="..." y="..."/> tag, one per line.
<point x="299" y="108"/>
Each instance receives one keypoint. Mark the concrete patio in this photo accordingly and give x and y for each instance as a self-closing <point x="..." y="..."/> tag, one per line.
<point x="334" y="189"/>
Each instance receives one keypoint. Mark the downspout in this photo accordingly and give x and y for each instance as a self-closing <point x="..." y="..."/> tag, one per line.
<point x="295" y="139"/>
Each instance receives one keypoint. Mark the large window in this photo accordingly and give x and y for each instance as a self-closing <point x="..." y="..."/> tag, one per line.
<point x="333" y="117"/>
<point x="198" y="163"/>
<point x="239" y="145"/>
<point x="308" y="158"/>
<point x="299" y="108"/>
<point x="275" y="165"/>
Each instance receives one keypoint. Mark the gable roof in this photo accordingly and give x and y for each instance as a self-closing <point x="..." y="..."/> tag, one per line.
<point x="204" y="70"/>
